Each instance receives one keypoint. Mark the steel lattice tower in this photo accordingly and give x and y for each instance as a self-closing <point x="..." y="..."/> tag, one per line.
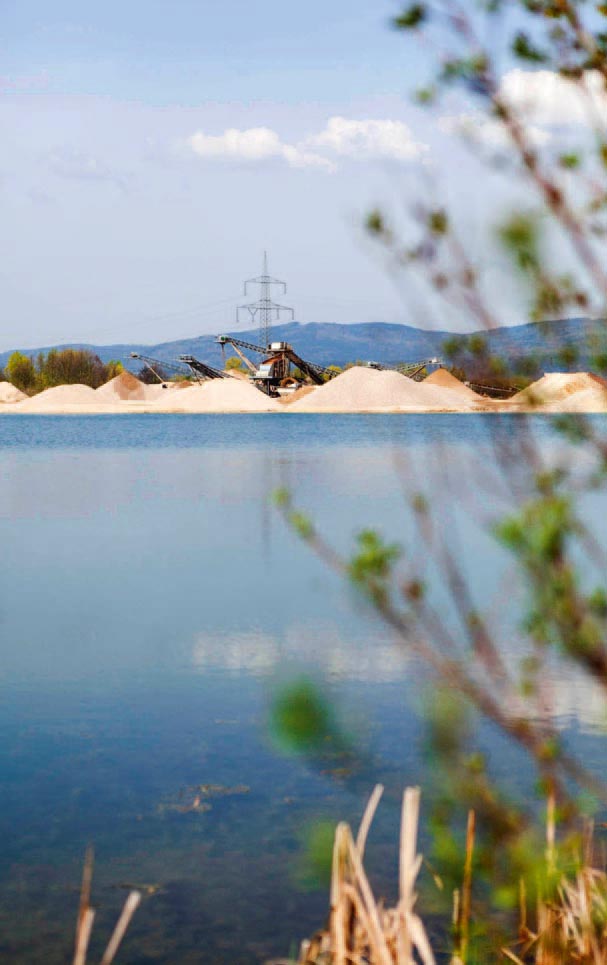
<point x="265" y="309"/>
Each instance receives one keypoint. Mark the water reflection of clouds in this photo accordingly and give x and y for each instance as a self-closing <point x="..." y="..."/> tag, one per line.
<point x="63" y="483"/>
<point x="374" y="659"/>
<point x="576" y="698"/>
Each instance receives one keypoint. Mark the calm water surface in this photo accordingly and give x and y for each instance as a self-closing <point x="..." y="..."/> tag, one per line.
<point x="151" y="603"/>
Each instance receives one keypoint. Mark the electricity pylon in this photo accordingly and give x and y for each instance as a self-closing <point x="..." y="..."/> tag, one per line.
<point x="264" y="310"/>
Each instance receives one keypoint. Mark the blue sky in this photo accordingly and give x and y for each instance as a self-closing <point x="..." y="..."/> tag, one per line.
<point x="187" y="52"/>
<point x="153" y="150"/>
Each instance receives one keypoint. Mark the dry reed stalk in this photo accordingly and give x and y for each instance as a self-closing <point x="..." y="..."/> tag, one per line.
<point x="367" y="818"/>
<point x="83" y="936"/>
<point x="361" y="930"/>
<point x="85" y="891"/>
<point x="550" y="830"/>
<point x="464" y="925"/>
<point x="86" y="915"/>
<point x="571" y="928"/>
<point x="130" y="907"/>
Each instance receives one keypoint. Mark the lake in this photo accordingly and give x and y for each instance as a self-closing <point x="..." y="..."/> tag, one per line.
<point x="152" y="604"/>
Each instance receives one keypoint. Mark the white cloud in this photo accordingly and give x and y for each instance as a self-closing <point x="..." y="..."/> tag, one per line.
<point x="254" y="144"/>
<point x="368" y="139"/>
<point x="543" y="100"/>
<point x="546" y="98"/>
<point x="359" y="140"/>
<point x="84" y="167"/>
<point x="485" y="132"/>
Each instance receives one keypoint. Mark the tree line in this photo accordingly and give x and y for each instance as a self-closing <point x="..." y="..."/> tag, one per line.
<point x="58" y="367"/>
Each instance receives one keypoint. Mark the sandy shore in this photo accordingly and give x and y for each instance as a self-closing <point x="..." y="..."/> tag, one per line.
<point x="359" y="390"/>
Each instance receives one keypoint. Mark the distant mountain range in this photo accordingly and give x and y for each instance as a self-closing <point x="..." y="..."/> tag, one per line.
<point x="332" y="343"/>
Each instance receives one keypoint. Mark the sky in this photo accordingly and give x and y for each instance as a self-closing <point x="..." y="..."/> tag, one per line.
<point x="154" y="150"/>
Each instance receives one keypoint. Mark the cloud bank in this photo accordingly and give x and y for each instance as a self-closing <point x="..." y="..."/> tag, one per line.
<point x="546" y="98"/>
<point x="547" y="103"/>
<point x="342" y="138"/>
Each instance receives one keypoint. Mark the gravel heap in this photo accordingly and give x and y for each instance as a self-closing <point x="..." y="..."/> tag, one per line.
<point x="362" y="389"/>
<point x="217" y="395"/>
<point x="9" y="393"/>
<point x="555" y="388"/>
<point x="58" y="397"/>
<point x="445" y="380"/>
<point x="124" y="387"/>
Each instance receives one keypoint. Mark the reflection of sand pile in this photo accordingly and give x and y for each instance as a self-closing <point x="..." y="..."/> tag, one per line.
<point x="444" y="380"/>
<point x="362" y="389"/>
<point x="558" y="390"/>
<point x="217" y="395"/>
<point x="8" y="393"/>
<point x="58" y="397"/>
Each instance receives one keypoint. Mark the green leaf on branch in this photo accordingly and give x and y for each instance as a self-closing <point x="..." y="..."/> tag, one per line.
<point x="412" y="17"/>
<point x="438" y="222"/>
<point x="371" y="567"/>
<point x="570" y="160"/>
<point x="519" y="236"/>
<point x="524" y="48"/>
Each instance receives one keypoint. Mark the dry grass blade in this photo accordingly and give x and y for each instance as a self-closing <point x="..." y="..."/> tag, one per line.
<point x="130" y="907"/>
<point x="84" y="936"/>
<point x="365" y="824"/>
<point x="86" y="916"/>
<point x="376" y="936"/>
<point x="338" y="921"/>
<point x="464" y="929"/>
<point x="85" y="890"/>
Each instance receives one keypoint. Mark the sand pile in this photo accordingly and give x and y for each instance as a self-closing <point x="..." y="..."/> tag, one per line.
<point x="556" y="387"/>
<point x="584" y="400"/>
<point x="362" y="389"/>
<point x="9" y="393"/>
<point x="60" y="397"/>
<point x="444" y="380"/>
<point x="217" y="395"/>
<point x="124" y="387"/>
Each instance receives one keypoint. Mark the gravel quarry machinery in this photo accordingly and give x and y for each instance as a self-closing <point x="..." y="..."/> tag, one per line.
<point x="200" y="370"/>
<point x="158" y="367"/>
<point x="281" y="370"/>
<point x="413" y="370"/>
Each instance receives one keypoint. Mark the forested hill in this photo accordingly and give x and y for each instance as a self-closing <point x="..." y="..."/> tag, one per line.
<point x="377" y="341"/>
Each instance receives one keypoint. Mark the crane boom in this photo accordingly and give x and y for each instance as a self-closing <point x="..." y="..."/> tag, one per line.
<point x="202" y="369"/>
<point x="149" y="363"/>
<point x="410" y="369"/>
<point x="230" y="340"/>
